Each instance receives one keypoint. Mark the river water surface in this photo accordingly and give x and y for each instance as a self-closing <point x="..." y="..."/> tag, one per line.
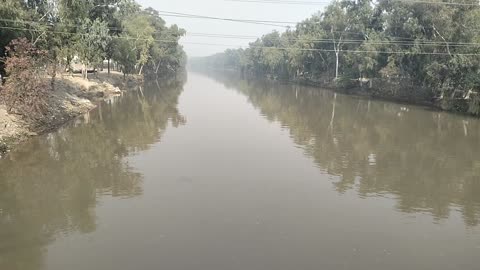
<point x="221" y="173"/>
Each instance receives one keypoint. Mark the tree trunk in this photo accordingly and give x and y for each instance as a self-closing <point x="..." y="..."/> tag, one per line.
<point x="54" y="71"/>
<point x="336" y="49"/>
<point x="85" y="71"/>
<point x="336" y="65"/>
<point x="453" y="94"/>
<point x="158" y="66"/>
<point x="54" y="75"/>
<point x="141" y="69"/>
<point x="108" y="66"/>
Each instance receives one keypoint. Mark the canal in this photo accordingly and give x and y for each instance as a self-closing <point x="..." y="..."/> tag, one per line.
<point x="216" y="172"/>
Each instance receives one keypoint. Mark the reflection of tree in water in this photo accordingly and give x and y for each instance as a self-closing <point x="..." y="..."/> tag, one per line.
<point x="428" y="161"/>
<point x="50" y="185"/>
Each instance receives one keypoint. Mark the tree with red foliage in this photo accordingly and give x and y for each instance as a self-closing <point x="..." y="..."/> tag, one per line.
<point x="26" y="89"/>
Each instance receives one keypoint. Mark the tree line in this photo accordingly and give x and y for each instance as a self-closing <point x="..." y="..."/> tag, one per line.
<point x="40" y="38"/>
<point x="90" y="32"/>
<point x="426" y="52"/>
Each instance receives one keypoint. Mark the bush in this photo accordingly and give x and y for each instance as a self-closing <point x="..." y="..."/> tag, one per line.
<point x="455" y="105"/>
<point x="346" y="82"/>
<point x="3" y="148"/>
<point x="26" y="89"/>
<point x="474" y="105"/>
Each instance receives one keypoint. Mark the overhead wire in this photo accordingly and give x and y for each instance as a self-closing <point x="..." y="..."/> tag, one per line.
<point x="249" y="21"/>
<point x="288" y="2"/>
<point x="312" y="40"/>
<point x="404" y="42"/>
<point x="348" y="41"/>
<point x="392" y="39"/>
<point x="270" y="48"/>
<point x="119" y="29"/>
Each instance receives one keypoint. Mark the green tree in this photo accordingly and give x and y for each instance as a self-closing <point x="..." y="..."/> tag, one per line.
<point x="92" y="40"/>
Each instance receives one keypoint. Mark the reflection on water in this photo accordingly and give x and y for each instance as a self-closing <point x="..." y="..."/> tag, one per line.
<point x="428" y="161"/>
<point x="261" y="176"/>
<point x="50" y="185"/>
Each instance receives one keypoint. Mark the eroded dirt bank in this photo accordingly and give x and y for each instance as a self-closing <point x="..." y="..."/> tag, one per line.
<point x="73" y="96"/>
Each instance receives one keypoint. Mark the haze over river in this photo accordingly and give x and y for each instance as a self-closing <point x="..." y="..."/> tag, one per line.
<point x="222" y="173"/>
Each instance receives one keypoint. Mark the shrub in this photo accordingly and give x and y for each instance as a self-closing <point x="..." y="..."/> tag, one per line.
<point x="345" y="82"/>
<point x="474" y="105"/>
<point x="3" y="148"/>
<point x="26" y="89"/>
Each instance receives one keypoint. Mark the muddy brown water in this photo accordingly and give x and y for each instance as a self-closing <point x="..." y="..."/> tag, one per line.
<point x="223" y="173"/>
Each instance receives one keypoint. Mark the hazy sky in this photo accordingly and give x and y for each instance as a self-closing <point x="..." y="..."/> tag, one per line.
<point x="226" y="9"/>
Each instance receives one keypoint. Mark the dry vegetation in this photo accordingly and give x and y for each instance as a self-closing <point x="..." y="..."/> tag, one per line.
<point x="73" y="96"/>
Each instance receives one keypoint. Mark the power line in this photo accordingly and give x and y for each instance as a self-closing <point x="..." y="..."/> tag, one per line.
<point x="283" y="24"/>
<point x="287" y="2"/>
<point x="396" y="39"/>
<point x="324" y="40"/>
<point x="213" y="35"/>
<point x="359" y="51"/>
<point x="400" y="39"/>
<point x="119" y="29"/>
<point x="83" y="34"/>
<point x="344" y="51"/>
<point x="438" y="3"/>
<point x="347" y="41"/>
<point x="282" y="2"/>
<point x="217" y="18"/>
<point x="250" y="21"/>
<point x="273" y="48"/>
<point x="35" y="23"/>
<point x="330" y="40"/>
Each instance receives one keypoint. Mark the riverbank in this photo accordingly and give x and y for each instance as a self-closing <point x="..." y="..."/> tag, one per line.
<point x="397" y="91"/>
<point x="401" y="92"/>
<point x="72" y="97"/>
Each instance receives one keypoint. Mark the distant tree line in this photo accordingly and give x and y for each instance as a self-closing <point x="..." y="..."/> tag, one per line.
<point x="416" y="51"/>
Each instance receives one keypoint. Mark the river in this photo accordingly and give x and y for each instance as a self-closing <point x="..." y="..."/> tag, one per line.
<point x="223" y="173"/>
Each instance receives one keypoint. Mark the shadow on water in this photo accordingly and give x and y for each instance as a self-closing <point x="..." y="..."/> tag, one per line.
<point x="427" y="161"/>
<point x="51" y="185"/>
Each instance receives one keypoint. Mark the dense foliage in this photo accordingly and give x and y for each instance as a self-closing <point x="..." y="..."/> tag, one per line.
<point x="87" y="33"/>
<point x="26" y="91"/>
<point x="421" y="51"/>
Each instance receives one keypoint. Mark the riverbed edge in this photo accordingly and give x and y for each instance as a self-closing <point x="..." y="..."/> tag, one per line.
<point x="448" y="105"/>
<point x="72" y="97"/>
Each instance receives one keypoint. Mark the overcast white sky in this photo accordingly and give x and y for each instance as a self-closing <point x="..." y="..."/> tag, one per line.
<point x="226" y="9"/>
